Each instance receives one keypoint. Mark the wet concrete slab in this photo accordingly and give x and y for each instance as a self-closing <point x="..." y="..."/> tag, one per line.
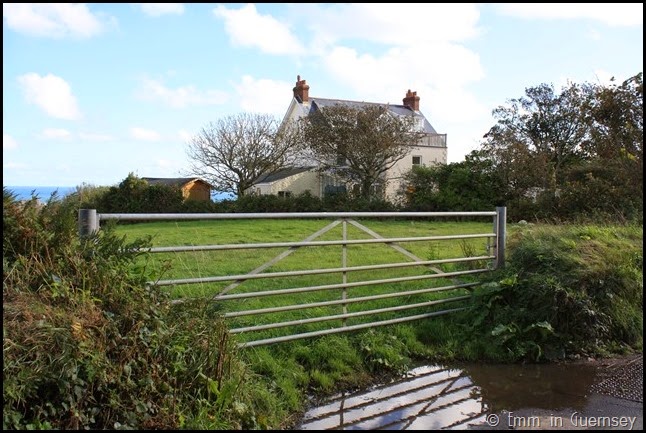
<point x="449" y="395"/>
<point x="487" y="397"/>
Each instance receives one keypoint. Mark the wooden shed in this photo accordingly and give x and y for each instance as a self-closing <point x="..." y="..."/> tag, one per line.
<point x="193" y="188"/>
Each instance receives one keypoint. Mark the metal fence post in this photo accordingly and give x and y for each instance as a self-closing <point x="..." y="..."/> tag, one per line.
<point x="344" y="264"/>
<point x="88" y="222"/>
<point x="500" y="228"/>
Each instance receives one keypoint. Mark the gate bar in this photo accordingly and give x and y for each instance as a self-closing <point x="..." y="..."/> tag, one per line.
<point x="351" y="300"/>
<point x="313" y="271"/>
<point x="346" y="315"/>
<point x="347" y="328"/>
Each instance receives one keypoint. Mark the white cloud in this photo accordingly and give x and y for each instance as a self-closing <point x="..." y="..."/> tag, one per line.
<point x="390" y="23"/>
<point x="247" y="28"/>
<point x="158" y="9"/>
<point x="263" y="95"/>
<point x="612" y="14"/>
<point x="55" y="20"/>
<point x="181" y="97"/>
<point x="425" y="55"/>
<point x="8" y="142"/>
<point x="56" y="133"/>
<point x="95" y="137"/>
<point x="52" y="94"/>
<point x="144" y="134"/>
<point x="386" y="78"/>
<point x="184" y="136"/>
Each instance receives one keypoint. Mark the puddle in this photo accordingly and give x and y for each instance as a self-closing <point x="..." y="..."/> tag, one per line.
<point x="541" y="386"/>
<point x="436" y="397"/>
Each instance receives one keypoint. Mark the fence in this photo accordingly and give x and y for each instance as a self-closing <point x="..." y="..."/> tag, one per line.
<point x="347" y="303"/>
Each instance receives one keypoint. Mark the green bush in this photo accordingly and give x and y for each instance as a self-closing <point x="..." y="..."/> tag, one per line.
<point x="134" y="195"/>
<point x="566" y="290"/>
<point x="87" y="344"/>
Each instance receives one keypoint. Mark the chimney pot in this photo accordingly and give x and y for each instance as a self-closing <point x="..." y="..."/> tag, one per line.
<point x="301" y="90"/>
<point x="411" y="100"/>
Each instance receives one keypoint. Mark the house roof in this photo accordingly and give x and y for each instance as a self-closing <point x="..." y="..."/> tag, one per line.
<point x="172" y="181"/>
<point x="317" y="103"/>
<point x="282" y="174"/>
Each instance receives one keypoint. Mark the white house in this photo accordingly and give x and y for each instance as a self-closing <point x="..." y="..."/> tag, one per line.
<point x="429" y="151"/>
<point x="287" y="182"/>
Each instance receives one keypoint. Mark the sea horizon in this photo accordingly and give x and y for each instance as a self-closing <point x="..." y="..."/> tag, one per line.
<point x="44" y="193"/>
<point x="41" y="192"/>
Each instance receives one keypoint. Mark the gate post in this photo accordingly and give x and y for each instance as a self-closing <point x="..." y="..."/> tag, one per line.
<point x="88" y="222"/>
<point x="500" y="229"/>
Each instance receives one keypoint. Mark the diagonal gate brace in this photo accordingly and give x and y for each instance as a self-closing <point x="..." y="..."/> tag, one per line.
<point x="279" y="257"/>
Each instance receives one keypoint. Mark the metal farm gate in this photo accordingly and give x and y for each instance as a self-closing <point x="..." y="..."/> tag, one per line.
<point x="309" y="299"/>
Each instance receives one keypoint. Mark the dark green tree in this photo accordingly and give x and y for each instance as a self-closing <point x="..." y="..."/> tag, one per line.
<point x="470" y="185"/>
<point x="539" y="136"/>
<point x="134" y="194"/>
<point x="611" y="179"/>
<point x="573" y="153"/>
<point x="616" y="121"/>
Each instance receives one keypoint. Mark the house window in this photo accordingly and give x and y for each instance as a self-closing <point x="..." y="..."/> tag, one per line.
<point x="334" y="189"/>
<point x="341" y="161"/>
<point x="284" y="193"/>
<point x="417" y="160"/>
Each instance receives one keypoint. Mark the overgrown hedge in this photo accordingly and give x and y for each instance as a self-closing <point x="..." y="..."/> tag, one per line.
<point x="135" y="196"/>
<point x="87" y="344"/>
<point x="566" y="290"/>
<point x="592" y="194"/>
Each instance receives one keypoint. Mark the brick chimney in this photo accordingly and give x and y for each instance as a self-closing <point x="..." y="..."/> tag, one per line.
<point x="412" y="100"/>
<point x="302" y="90"/>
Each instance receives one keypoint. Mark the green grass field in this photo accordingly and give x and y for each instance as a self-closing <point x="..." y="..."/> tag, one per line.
<point x="200" y="264"/>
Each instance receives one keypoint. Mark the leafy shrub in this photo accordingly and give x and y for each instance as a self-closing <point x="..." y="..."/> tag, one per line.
<point x="134" y="195"/>
<point x="87" y="344"/>
<point x="565" y="290"/>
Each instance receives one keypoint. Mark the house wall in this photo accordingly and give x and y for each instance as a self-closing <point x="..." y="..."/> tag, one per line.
<point x="196" y="190"/>
<point x="432" y="150"/>
<point x="429" y="156"/>
<point x="297" y="184"/>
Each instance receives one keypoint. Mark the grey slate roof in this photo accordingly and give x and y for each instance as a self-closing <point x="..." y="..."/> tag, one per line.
<point x="317" y="103"/>
<point x="282" y="174"/>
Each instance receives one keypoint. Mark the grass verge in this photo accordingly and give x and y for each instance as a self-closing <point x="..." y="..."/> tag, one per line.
<point x="88" y="345"/>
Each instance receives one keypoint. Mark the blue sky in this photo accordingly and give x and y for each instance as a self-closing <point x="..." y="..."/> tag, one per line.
<point x="92" y="92"/>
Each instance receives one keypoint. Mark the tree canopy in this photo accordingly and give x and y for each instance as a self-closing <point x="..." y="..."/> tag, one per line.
<point x="568" y="154"/>
<point x="236" y="151"/>
<point x="358" y="144"/>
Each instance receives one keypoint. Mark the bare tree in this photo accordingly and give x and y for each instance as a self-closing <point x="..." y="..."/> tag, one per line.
<point x="236" y="151"/>
<point x="359" y="144"/>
